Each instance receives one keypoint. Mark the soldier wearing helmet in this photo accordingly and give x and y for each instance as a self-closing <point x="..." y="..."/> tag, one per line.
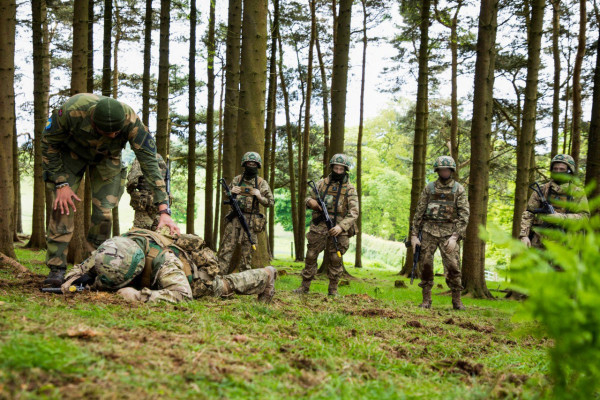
<point x="147" y="266"/>
<point x="253" y="193"/>
<point x="342" y="204"/>
<point x="558" y="191"/>
<point x="441" y="216"/>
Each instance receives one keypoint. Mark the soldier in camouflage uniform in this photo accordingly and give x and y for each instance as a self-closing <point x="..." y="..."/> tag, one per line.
<point x="442" y="216"/>
<point x="147" y="266"/>
<point x="252" y="192"/>
<point x="342" y="204"/>
<point x="559" y="189"/>
<point x="142" y="199"/>
<point x="91" y="131"/>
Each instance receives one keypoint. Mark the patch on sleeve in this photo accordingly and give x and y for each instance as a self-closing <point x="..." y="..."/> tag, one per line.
<point x="49" y="124"/>
<point x="60" y="112"/>
<point x="149" y="143"/>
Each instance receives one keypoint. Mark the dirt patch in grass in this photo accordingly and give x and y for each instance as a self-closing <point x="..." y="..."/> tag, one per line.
<point x="459" y="367"/>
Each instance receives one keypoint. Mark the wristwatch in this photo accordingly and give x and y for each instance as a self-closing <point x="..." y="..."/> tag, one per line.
<point x="165" y="211"/>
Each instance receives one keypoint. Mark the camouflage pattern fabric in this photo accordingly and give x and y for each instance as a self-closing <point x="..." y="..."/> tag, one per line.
<point x="454" y="222"/>
<point x="105" y="196"/>
<point x="450" y="259"/>
<point x="340" y="159"/>
<point x="555" y="193"/>
<point x="317" y="242"/>
<point x="117" y="261"/>
<point x="251" y="156"/>
<point x="233" y="236"/>
<point x="142" y="198"/>
<point x="565" y="159"/>
<point x="347" y="210"/>
<point x="246" y="200"/>
<point x="444" y="162"/>
<point x="245" y="283"/>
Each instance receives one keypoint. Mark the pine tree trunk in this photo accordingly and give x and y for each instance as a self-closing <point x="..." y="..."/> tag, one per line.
<point x="147" y="61"/>
<point x="421" y="120"/>
<point x="217" y="225"/>
<point x="271" y="234"/>
<point x="454" y="142"/>
<point x="162" y="92"/>
<point x="481" y="126"/>
<point x="16" y="179"/>
<point x="107" y="48"/>
<point x="577" y="111"/>
<point x="325" y="93"/>
<point x="593" y="161"/>
<point x="526" y="143"/>
<point x="300" y="208"/>
<point x="90" y="59"/>
<point x="339" y="80"/>
<point x="250" y="127"/>
<point x="191" y="157"/>
<point x="210" y="123"/>
<point x="556" y="81"/>
<point x="41" y="87"/>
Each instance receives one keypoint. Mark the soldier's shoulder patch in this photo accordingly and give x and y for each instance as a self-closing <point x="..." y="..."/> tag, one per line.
<point x="49" y="124"/>
<point x="149" y="143"/>
<point x="60" y="112"/>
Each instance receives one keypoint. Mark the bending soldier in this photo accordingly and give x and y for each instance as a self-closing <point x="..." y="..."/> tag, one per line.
<point x="91" y="131"/>
<point x="342" y="204"/>
<point x="146" y="266"/>
<point x="442" y="216"/>
<point x="252" y="192"/>
<point x="557" y="191"/>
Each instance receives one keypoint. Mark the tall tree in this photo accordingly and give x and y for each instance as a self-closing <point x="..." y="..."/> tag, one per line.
<point x="41" y="89"/>
<point x="253" y="67"/>
<point x="90" y="59"/>
<point x="526" y="141"/>
<point x="481" y="131"/>
<point x="162" y="93"/>
<point x="77" y="246"/>
<point x="7" y="100"/>
<point x="577" y="110"/>
<point x="556" y="80"/>
<point x="107" y="48"/>
<point x="16" y="178"/>
<point x="325" y="103"/>
<point x="147" y="61"/>
<point x="339" y="79"/>
<point x="191" y="161"/>
<point x="217" y="223"/>
<point x="593" y="161"/>
<point x="421" y="120"/>
<point x="210" y="123"/>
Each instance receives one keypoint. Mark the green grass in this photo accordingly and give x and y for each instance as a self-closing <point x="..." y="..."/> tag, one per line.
<point x="370" y="342"/>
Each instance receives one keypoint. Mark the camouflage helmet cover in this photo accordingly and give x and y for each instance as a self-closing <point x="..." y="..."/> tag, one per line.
<point x="117" y="261"/>
<point x="340" y="159"/>
<point x="444" y="162"/>
<point x="252" y="156"/>
<point x="565" y="159"/>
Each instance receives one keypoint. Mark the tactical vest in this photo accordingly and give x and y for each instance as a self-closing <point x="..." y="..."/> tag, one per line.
<point x="246" y="199"/>
<point x="441" y="206"/>
<point x="332" y="195"/>
<point x="556" y="199"/>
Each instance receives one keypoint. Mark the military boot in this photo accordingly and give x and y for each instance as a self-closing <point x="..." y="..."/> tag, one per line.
<point x="426" y="297"/>
<point x="332" y="290"/>
<point x="55" y="278"/>
<point x="267" y="295"/>
<point x="456" y="303"/>
<point x="304" y="287"/>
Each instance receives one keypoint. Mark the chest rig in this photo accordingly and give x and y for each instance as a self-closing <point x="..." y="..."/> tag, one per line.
<point x="246" y="200"/>
<point x="441" y="206"/>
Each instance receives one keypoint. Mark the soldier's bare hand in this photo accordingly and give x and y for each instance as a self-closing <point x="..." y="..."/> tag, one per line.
<point x="166" y="220"/>
<point x="526" y="241"/>
<point x="130" y="294"/>
<point x="335" y="231"/>
<point x="414" y="241"/>
<point x="64" y="200"/>
<point x="236" y="190"/>
<point x="256" y="192"/>
<point x="450" y="244"/>
<point x="65" y="286"/>
<point x="314" y="205"/>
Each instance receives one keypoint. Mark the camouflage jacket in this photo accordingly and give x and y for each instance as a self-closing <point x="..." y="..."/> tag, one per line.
<point x="69" y="144"/>
<point x="555" y="193"/>
<point x="456" y="220"/>
<point x="142" y="198"/>
<point x="246" y="200"/>
<point x="346" y="213"/>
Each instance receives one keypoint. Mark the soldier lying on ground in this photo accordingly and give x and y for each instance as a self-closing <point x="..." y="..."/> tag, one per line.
<point x="146" y="266"/>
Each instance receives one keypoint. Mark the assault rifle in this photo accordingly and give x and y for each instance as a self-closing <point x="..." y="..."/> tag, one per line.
<point x="416" y="256"/>
<point x="168" y="178"/>
<point x="236" y="212"/>
<point x="78" y="285"/>
<point x="546" y="207"/>
<point x="330" y="224"/>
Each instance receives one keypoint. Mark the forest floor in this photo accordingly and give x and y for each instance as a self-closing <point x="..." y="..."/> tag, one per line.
<point x="370" y="342"/>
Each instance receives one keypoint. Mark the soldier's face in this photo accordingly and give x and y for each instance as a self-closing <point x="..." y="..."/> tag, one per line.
<point x="110" y="135"/>
<point x="560" y="168"/>
<point x="251" y="164"/>
<point x="444" y="173"/>
<point x="338" y="169"/>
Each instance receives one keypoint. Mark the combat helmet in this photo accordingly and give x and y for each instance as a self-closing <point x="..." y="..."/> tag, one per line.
<point x="252" y="156"/>
<point x="444" y="162"/>
<point x="117" y="261"/>
<point x="565" y="159"/>
<point x="340" y="159"/>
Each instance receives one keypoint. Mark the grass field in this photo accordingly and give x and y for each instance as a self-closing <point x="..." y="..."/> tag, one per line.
<point x="371" y="342"/>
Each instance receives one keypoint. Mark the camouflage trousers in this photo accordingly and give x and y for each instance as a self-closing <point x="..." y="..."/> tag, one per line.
<point x="105" y="196"/>
<point x="234" y="235"/>
<point x="450" y="259"/>
<point x="144" y="220"/>
<point x="316" y="244"/>
<point x="170" y="283"/>
<point x="253" y="281"/>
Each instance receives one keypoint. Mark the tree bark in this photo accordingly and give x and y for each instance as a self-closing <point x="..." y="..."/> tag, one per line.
<point x="481" y="127"/>
<point x="556" y="81"/>
<point x="210" y="122"/>
<point x="118" y="37"/>
<point x="325" y="93"/>
<point x="191" y="156"/>
<point x="593" y="161"/>
<point x="41" y="87"/>
<point x="217" y="226"/>
<point x="525" y="146"/>
<point x="577" y="111"/>
<point x="107" y="48"/>
<point x="421" y="121"/>
<point x="162" y="93"/>
<point x="253" y="72"/>
<point x="339" y="80"/>
<point x="147" y="61"/>
<point x="90" y="59"/>
<point x="16" y="179"/>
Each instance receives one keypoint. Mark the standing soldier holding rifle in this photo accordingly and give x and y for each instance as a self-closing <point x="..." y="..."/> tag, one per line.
<point x="551" y="199"/>
<point x="250" y="191"/>
<point x="442" y="215"/>
<point x="341" y="204"/>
